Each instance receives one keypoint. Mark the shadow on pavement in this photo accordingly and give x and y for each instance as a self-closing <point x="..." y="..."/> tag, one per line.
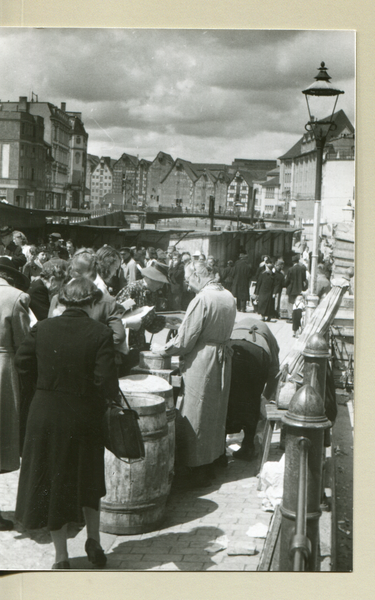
<point x="169" y="548"/>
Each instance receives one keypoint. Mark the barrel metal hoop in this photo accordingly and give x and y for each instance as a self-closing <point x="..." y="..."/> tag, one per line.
<point x="171" y="414"/>
<point x="133" y="509"/>
<point x="155" y="435"/>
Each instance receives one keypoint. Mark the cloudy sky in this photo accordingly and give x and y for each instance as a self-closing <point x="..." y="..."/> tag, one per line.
<point x="201" y="95"/>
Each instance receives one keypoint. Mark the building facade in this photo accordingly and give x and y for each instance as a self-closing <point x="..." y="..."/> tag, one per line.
<point x="76" y="187"/>
<point x="25" y="159"/>
<point x="92" y="162"/>
<point x="101" y="181"/>
<point x="125" y="179"/>
<point x="298" y="172"/>
<point x="66" y="138"/>
<point x="141" y="180"/>
<point x="158" y="169"/>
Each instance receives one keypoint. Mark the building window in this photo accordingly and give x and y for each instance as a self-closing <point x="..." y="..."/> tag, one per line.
<point x="77" y="157"/>
<point x="78" y="139"/>
<point x="270" y="192"/>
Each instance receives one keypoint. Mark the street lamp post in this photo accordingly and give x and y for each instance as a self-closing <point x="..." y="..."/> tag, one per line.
<point x="322" y="91"/>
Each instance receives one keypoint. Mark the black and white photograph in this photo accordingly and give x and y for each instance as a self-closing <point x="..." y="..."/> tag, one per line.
<point x="177" y="281"/>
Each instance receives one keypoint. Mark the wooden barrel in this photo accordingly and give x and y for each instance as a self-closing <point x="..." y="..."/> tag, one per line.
<point x="152" y="360"/>
<point x="137" y="491"/>
<point x="150" y="384"/>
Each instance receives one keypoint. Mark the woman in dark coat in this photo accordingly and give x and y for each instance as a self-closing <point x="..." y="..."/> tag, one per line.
<point x="264" y="291"/>
<point x="68" y="363"/>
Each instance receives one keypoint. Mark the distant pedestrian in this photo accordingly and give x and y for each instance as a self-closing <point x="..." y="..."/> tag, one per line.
<point x="176" y="274"/>
<point x="295" y="283"/>
<point x="241" y="281"/>
<point x="279" y="283"/>
<point x="264" y="291"/>
<point x="298" y="310"/>
<point x="227" y="275"/>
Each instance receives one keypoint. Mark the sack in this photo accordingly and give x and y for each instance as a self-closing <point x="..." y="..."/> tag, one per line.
<point x="122" y="433"/>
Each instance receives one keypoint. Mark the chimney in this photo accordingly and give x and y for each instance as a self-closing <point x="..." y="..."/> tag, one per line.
<point x="63" y="106"/>
<point x="22" y="103"/>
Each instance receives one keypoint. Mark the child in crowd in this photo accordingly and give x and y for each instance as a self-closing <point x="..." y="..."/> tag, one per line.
<point x="297" y="314"/>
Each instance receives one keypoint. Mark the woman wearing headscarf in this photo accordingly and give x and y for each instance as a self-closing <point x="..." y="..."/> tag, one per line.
<point x="14" y="326"/>
<point x="68" y="366"/>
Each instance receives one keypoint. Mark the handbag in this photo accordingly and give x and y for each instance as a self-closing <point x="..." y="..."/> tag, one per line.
<point x="122" y="434"/>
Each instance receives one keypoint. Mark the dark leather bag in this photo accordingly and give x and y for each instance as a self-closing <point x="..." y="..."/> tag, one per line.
<point x="122" y="433"/>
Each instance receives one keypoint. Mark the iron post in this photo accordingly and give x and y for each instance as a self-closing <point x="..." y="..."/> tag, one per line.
<point x="305" y="423"/>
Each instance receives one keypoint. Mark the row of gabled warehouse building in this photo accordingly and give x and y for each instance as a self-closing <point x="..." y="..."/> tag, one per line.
<point x="165" y="183"/>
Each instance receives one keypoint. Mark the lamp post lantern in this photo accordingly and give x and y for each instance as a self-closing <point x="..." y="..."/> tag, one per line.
<point x="318" y="95"/>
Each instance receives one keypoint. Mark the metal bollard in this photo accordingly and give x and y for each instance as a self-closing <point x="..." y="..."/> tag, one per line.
<point x="305" y="424"/>
<point x="317" y="352"/>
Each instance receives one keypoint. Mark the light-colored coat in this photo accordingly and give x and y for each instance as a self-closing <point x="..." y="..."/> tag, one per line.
<point x="203" y="342"/>
<point x="14" y="325"/>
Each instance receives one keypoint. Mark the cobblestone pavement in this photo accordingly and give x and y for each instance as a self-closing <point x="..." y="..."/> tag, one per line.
<point x="197" y="525"/>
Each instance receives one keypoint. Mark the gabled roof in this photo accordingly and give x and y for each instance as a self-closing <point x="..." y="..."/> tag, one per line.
<point x="272" y="182"/>
<point x="161" y="154"/>
<point x="107" y="160"/>
<point x="78" y="127"/>
<point x="341" y="121"/>
<point x="250" y="176"/>
<point x="144" y="162"/>
<point x="133" y="159"/>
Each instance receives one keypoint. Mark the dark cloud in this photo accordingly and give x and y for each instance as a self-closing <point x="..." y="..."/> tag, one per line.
<point x="208" y="91"/>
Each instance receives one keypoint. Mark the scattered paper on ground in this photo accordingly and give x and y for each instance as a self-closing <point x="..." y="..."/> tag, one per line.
<point x="259" y="530"/>
<point x="271" y="483"/>
<point x="234" y="447"/>
<point x="219" y="544"/>
<point x="242" y="548"/>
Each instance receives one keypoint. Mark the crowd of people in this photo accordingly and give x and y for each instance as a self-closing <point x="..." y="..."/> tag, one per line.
<point x="74" y="320"/>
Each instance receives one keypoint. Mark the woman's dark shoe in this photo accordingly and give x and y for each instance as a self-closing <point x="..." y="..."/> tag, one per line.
<point x="222" y="461"/>
<point x="95" y="553"/>
<point x="200" y="477"/>
<point x="64" y="564"/>
<point x="6" y="524"/>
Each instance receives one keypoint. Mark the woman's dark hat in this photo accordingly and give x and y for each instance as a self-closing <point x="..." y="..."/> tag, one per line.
<point x="20" y="280"/>
<point x="157" y="271"/>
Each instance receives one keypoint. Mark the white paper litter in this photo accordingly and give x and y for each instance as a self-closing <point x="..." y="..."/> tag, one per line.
<point x="219" y="544"/>
<point x="257" y="531"/>
<point x="272" y="474"/>
<point x="271" y="484"/>
<point x="242" y="549"/>
<point x="234" y="447"/>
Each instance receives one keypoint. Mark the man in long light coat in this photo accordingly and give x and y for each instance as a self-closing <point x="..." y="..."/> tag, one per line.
<point x="203" y="341"/>
<point x="14" y="325"/>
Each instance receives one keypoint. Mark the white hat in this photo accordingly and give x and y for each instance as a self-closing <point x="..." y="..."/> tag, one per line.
<point x="196" y="253"/>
